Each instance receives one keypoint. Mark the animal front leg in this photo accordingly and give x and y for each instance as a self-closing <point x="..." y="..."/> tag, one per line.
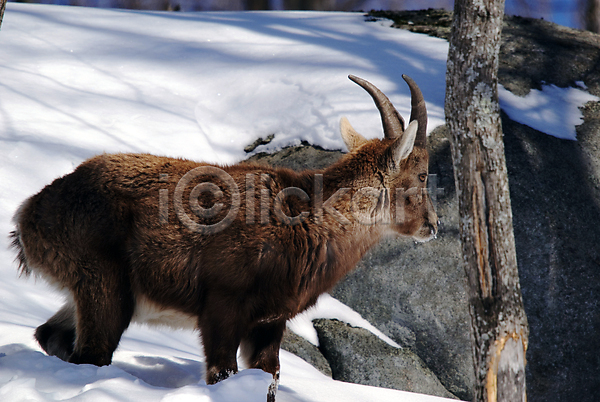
<point x="260" y="349"/>
<point x="220" y="352"/>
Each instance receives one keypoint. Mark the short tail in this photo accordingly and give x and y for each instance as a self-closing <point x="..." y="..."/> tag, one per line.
<point x="16" y="244"/>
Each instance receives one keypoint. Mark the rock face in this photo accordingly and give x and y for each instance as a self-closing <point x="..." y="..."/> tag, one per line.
<point x="299" y="157"/>
<point x="557" y="215"/>
<point x="307" y="351"/>
<point x="537" y="52"/>
<point x="415" y="293"/>
<point x="358" y="356"/>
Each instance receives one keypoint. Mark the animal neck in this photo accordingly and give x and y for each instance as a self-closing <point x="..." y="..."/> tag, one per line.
<point x="343" y="235"/>
<point x="338" y="251"/>
<point x="355" y="243"/>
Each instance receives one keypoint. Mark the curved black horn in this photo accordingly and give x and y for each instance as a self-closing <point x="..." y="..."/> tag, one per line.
<point x="393" y="123"/>
<point x="418" y="111"/>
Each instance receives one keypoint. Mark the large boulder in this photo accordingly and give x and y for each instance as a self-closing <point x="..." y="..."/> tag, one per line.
<point x="356" y="355"/>
<point x="556" y="211"/>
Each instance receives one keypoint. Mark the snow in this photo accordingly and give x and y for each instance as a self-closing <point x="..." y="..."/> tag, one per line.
<point x="553" y="110"/>
<point x="328" y="307"/>
<point x="76" y="82"/>
<point x="217" y="80"/>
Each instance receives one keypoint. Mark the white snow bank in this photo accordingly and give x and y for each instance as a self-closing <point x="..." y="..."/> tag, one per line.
<point x="553" y="110"/>
<point x="328" y="307"/>
<point x="202" y="85"/>
<point x="163" y="366"/>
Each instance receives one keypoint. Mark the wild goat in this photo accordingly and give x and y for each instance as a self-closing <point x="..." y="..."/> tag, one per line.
<point x="120" y="237"/>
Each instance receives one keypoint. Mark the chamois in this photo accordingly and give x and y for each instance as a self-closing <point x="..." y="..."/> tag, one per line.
<point x="253" y="247"/>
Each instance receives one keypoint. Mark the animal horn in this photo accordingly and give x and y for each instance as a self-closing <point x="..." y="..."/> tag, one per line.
<point x="393" y="123"/>
<point x="418" y="111"/>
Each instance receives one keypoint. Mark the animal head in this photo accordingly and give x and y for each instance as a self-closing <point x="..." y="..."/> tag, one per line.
<point x="400" y="162"/>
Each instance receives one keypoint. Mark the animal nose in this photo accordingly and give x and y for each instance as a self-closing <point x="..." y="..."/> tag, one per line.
<point x="433" y="232"/>
<point x="433" y="229"/>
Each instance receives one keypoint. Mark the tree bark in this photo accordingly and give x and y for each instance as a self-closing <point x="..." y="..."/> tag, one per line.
<point x="2" y="8"/>
<point x="592" y="15"/>
<point x="499" y="324"/>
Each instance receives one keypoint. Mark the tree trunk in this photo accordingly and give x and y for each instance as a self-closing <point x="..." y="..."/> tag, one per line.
<point x="499" y="325"/>
<point x="592" y="16"/>
<point x="257" y="5"/>
<point x="2" y="8"/>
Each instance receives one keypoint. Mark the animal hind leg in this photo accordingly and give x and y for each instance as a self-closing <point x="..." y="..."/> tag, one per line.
<point x="105" y="306"/>
<point x="57" y="335"/>
<point x="260" y="349"/>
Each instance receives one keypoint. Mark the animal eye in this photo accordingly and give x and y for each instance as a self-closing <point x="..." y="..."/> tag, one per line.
<point x="423" y="177"/>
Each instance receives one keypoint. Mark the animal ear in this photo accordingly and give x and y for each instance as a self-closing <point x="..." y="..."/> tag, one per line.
<point x="403" y="146"/>
<point x="351" y="138"/>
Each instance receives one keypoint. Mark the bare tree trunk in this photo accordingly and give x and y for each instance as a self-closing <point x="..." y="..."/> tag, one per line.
<point x="2" y="8"/>
<point x="592" y="15"/>
<point x="257" y="5"/>
<point x="318" y="5"/>
<point x="498" y="321"/>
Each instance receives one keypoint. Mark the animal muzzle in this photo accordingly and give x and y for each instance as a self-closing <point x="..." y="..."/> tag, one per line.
<point x="427" y="232"/>
<point x="429" y="229"/>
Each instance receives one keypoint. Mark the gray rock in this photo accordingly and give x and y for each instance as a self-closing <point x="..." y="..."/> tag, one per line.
<point x="305" y="350"/>
<point x="300" y="157"/>
<point x="259" y="141"/>
<point x="358" y="356"/>
<point x="537" y="52"/>
<point x="556" y="211"/>
<point x="433" y="22"/>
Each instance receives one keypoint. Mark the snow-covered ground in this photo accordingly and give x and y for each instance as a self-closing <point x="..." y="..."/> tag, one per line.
<point x="76" y="82"/>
